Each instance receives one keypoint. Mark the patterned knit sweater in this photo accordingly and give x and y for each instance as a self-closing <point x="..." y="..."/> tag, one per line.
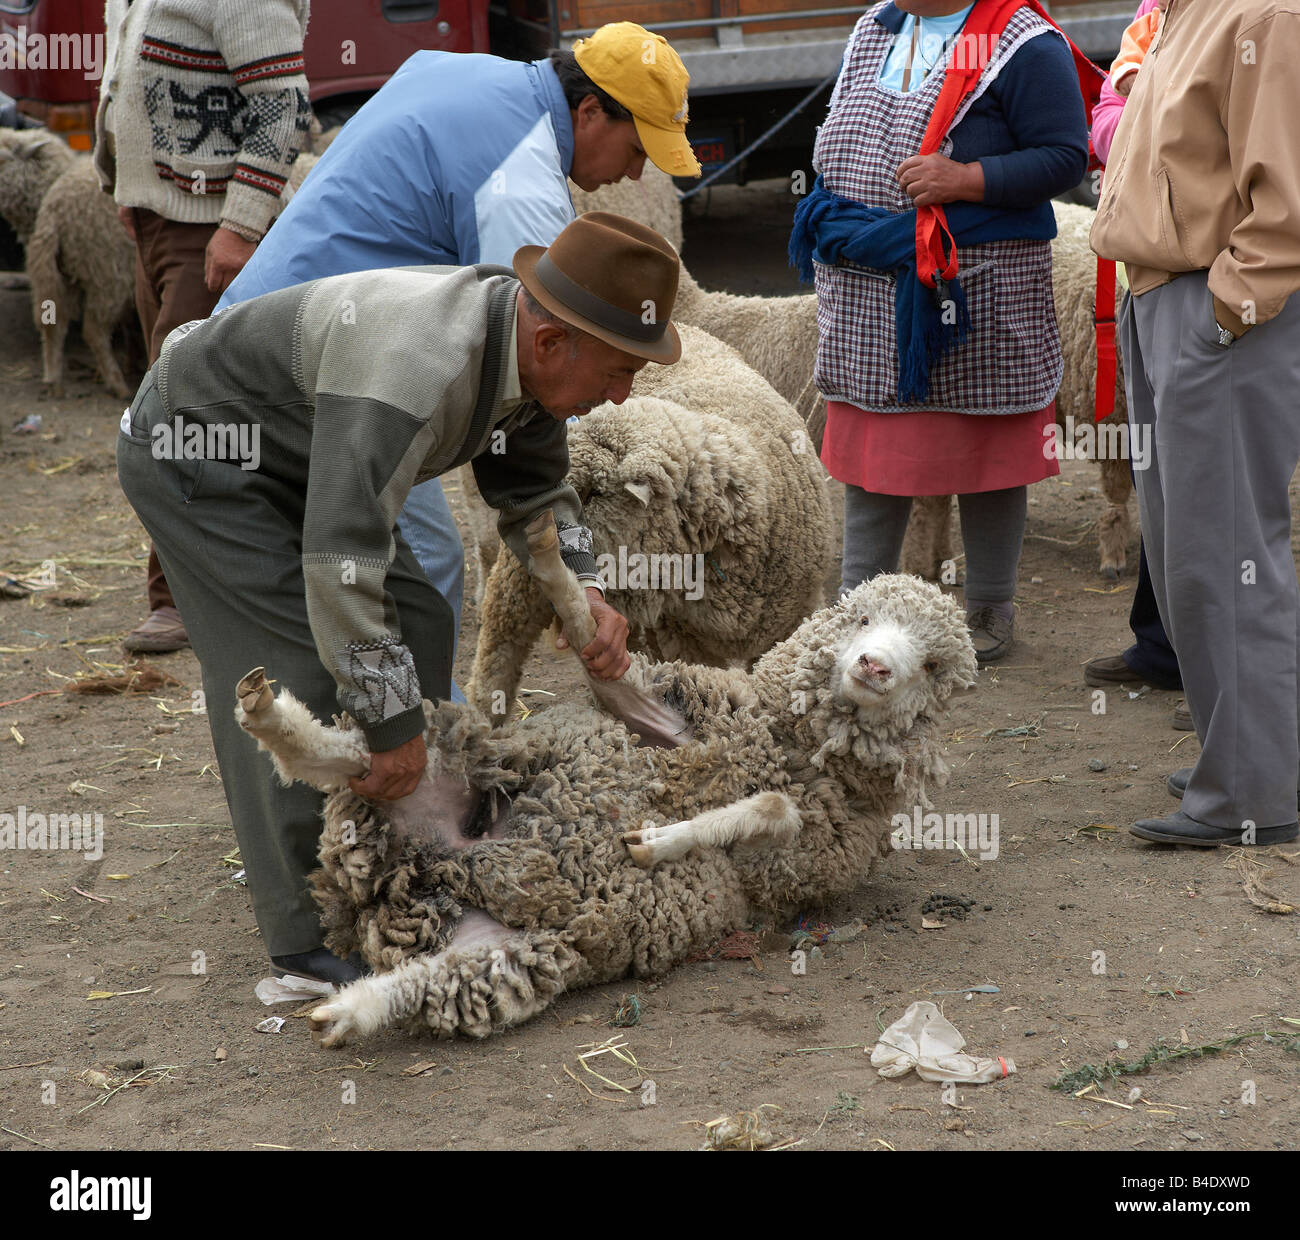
<point x="206" y="104"/>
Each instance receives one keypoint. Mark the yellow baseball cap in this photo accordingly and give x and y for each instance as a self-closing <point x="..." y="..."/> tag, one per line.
<point x="643" y="73"/>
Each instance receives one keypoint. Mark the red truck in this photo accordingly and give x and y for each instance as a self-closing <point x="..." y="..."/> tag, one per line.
<point x="760" y="69"/>
<point x="750" y="60"/>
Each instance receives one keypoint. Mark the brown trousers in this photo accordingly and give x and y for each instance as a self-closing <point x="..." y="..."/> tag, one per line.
<point x="169" y="290"/>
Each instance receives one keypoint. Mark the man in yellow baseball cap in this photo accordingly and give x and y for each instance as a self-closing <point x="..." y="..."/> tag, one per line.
<point x="623" y="74"/>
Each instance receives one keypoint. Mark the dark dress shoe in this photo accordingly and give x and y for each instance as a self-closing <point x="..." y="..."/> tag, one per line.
<point x="323" y="965"/>
<point x="1178" y="828"/>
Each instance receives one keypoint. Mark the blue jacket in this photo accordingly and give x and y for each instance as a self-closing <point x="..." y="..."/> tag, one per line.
<point x="458" y="159"/>
<point x="1030" y="137"/>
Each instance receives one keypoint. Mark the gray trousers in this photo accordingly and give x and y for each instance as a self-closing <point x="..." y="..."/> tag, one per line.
<point x="1216" y="518"/>
<point x="230" y="542"/>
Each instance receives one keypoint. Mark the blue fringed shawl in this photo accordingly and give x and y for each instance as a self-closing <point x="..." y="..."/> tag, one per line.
<point x="929" y="322"/>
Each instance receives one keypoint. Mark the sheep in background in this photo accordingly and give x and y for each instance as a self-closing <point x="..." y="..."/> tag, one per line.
<point x="31" y="160"/>
<point x="777" y="336"/>
<point x="602" y="859"/>
<point x="704" y="464"/>
<point x="652" y="200"/>
<point x="82" y="265"/>
<point x="928" y="542"/>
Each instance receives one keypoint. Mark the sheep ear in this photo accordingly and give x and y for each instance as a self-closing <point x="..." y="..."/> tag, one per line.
<point x="33" y="150"/>
<point x="641" y="490"/>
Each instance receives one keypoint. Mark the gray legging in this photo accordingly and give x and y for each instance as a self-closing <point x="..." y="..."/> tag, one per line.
<point x="992" y="528"/>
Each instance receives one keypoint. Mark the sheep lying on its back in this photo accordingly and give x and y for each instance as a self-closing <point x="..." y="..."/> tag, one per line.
<point x="928" y="542"/>
<point x="601" y="858"/>
<point x="705" y="465"/>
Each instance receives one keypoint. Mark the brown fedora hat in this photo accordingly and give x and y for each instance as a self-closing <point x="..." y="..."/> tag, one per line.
<point x="611" y="277"/>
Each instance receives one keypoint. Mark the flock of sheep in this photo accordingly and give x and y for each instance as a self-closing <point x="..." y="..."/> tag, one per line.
<point x="751" y="759"/>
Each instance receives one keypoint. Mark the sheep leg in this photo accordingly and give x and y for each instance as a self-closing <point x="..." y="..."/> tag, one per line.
<point x="769" y="818"/>
<point x="513" y="615"/>
<point x="1114" y="529"/>
<point x="488" y="977"/>
<point x="927" y="544"/>
<point x="299" y="744"/>
<point x="625" y="699"/>
<point x="97" y="330"/>
<point x="53" y="336"/>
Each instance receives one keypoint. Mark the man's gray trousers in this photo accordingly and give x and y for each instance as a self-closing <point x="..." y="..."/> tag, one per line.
<point x="1224" y="425"/>
<point x="230" y="542"/>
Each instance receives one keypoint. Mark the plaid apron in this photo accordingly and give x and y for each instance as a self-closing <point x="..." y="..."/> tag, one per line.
<point x="1010" y="361"/>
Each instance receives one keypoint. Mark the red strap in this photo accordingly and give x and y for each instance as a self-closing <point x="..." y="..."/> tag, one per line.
<point x="1103" y="316"/>
<point x="988" y="19"/>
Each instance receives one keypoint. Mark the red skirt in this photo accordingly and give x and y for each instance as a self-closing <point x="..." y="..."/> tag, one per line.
<point x="935" y="452"/>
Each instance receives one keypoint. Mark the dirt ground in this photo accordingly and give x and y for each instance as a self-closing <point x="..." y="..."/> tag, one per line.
<point x="1187" y="959"/>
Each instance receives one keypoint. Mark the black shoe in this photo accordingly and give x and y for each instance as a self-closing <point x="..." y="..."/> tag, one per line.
<point x="323" y="965"/>
<point x="1178" y="828"/>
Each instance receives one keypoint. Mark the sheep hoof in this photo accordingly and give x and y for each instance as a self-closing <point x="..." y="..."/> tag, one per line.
<point x="642" y="854"/>
<point x="254" y="692"/>
<point x="330" y="1024"/>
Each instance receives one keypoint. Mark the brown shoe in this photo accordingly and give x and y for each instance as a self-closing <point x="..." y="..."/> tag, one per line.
<point x="990" y="634"/>
<point x="161" y="632"/>
<point x="1110" y="670"/>
<point x="1183" y="717"/>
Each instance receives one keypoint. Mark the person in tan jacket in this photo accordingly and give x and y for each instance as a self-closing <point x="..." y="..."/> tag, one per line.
<point x="1201" y="201"/>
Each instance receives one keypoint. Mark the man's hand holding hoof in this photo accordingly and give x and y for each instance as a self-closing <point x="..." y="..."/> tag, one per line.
<point x="605" y="656"/>
<point x="395" y="773"/>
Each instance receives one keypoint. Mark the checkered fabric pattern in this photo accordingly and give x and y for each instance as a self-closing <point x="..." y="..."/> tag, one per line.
<point x="1011" y="360"/>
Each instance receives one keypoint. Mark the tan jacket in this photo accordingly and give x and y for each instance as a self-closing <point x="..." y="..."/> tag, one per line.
<point x="1205" y="168"/>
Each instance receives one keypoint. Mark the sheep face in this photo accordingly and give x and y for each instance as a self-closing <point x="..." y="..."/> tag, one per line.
<point x="887" y="654"/>
<point x="902" y="648"/>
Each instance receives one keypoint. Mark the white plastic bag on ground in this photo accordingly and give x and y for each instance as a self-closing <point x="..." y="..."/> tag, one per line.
<point x="289" y="987"/>
<point x="924" y="1040"/>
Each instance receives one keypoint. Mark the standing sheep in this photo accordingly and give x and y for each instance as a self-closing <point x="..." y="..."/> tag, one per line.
<point x="703" y="469"/>
<point x="928" y="542"/>
<point x="76" y="251"/>
<point x="777" y="336"/>
<point x="512" y="874"/>
<point x="82" y="265"/>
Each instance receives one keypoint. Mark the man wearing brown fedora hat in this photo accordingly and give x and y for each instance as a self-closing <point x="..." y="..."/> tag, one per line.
<point x="350" y="389"/>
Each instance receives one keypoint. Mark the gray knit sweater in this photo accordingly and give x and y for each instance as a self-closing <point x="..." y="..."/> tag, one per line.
<point x="206" y="102"/>
<point x="359" y="386"/>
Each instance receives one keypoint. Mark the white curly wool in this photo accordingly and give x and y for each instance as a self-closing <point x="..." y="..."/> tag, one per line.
<point x="708" y="508"/>
<point x="613" y="859"/>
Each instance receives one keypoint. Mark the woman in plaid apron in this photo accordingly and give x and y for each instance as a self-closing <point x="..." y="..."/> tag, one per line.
<point x="1016" y="139"/>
